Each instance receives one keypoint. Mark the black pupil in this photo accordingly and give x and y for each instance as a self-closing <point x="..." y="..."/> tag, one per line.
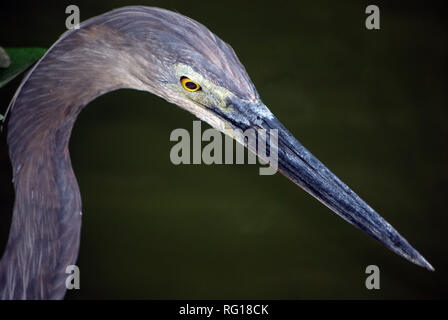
<point x="191" y="85"/>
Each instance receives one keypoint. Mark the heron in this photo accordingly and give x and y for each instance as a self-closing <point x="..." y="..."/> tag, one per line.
<point x="157" y="51"/>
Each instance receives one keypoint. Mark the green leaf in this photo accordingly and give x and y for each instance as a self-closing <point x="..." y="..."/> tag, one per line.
<point x="21" y="59"/>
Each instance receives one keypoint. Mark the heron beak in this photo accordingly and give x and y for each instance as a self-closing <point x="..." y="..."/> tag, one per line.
<point x="305" y="170"/>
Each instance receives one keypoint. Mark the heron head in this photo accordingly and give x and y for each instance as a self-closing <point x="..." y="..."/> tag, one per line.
<point x="193" y="68"/>
<point x="190" y="66"/>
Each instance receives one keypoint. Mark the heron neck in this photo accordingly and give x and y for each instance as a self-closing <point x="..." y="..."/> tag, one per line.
<point x="45" y="230"/>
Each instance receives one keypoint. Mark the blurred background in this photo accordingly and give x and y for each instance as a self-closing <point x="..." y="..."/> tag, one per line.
<point x="371" y="105"/>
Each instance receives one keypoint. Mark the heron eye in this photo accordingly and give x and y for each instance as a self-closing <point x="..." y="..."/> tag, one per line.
<point x="189" y="85"/>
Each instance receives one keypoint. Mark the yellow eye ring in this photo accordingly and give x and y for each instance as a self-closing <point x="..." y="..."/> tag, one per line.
<point x="189" y="85"/>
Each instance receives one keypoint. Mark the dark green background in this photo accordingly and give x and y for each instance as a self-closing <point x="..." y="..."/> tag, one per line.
<point x="372" y="105"/>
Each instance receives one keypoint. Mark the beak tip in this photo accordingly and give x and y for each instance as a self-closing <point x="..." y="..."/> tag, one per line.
<point x="425" y="264"/>
<point x="415" y="257"/>
<point x="408" y="252"/>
